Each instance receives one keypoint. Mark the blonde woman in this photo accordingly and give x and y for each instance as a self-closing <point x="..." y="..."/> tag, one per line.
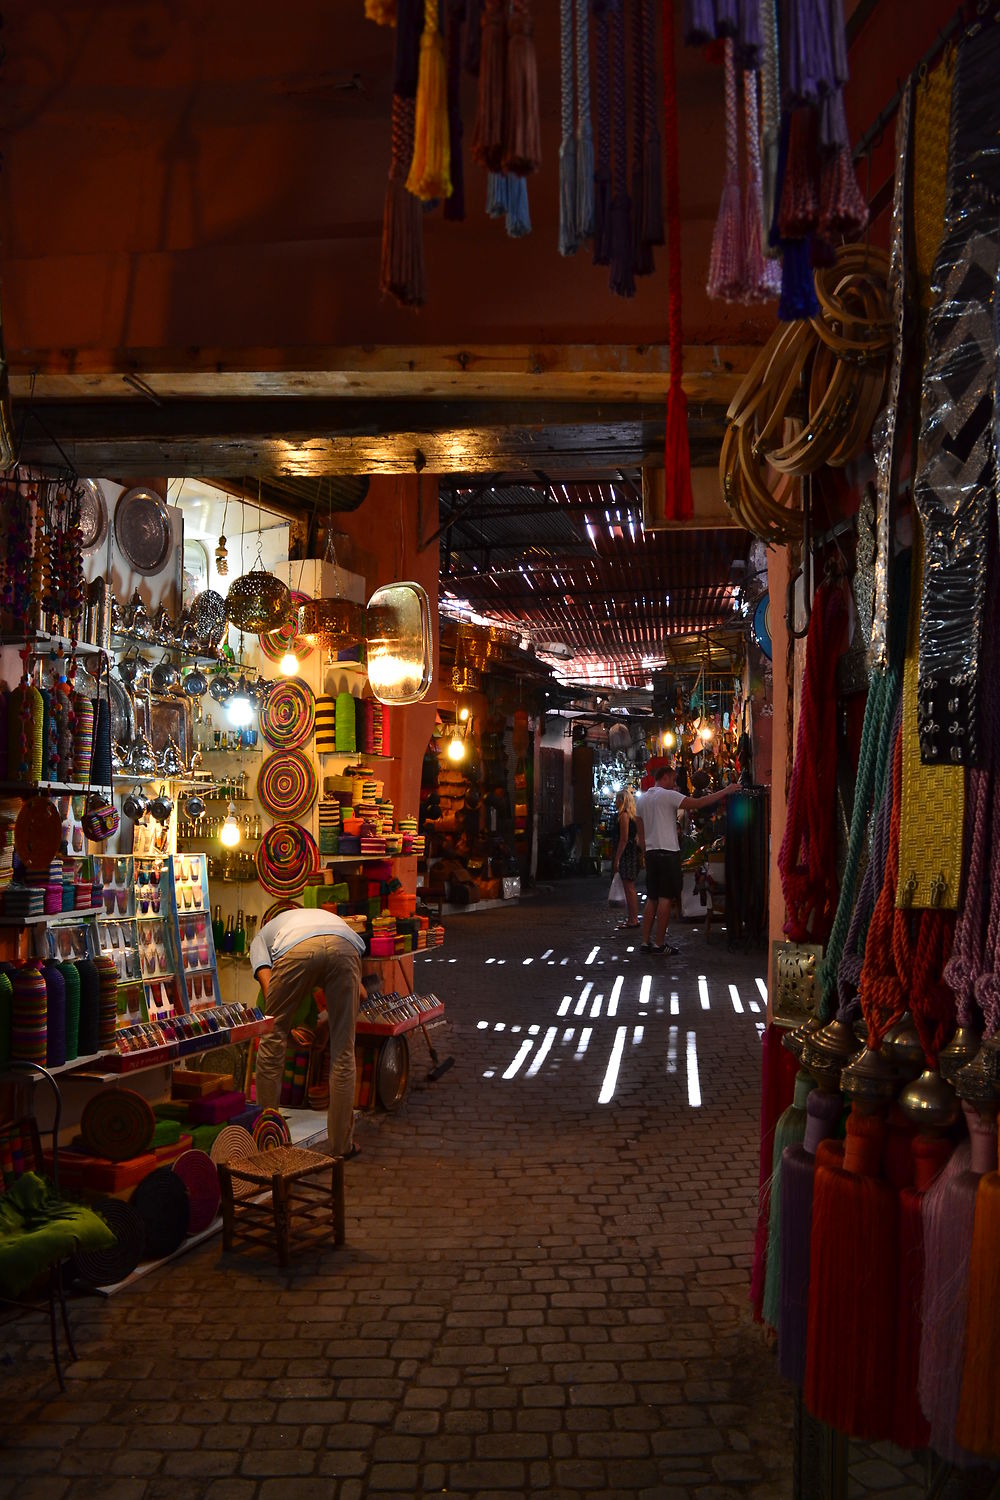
<point x="628" y="855"/>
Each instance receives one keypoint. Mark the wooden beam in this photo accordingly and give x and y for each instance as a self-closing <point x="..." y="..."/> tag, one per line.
<point x="207" y="438"/>
<point x="579" y="372"/>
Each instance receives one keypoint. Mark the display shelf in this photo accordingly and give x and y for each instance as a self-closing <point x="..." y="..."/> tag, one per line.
<point x="156" y="1057"/>
<point x="353" y="755"/>
<point x="125" y="637"/>
<point x="56" y="918"/>
<point x="56" y="788"/>
<point x="398" y="1028"/>
<point x="42" y="643"/>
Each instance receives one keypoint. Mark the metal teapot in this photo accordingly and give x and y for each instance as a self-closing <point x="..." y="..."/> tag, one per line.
<point x="161" y="806"/>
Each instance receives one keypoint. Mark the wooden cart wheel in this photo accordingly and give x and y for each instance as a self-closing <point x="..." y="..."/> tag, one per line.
<point x="392" y="1073"/>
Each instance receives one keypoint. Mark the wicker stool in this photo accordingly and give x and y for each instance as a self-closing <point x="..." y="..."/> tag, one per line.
<point x="287" y="1170"/>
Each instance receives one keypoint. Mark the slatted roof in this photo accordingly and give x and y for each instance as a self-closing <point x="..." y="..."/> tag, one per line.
<point x="571" y="566"/>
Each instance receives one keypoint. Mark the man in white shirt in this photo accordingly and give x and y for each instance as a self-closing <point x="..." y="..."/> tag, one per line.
<point x="657" y="810"/>
<point x="292" y="955"/>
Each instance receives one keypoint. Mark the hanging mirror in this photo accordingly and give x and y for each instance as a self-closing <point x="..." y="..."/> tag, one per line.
<point x="400" y="643"/>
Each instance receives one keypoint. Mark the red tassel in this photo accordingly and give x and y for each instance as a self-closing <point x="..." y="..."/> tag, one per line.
<point x="910" y="1428"/>
<point x="522" y="153"/>
<point x="852" y="1301"/>
<point x="487" y="140"/>
<point x="843" y="210"/>
<point x="799" y="211"/>
<point x="677" y="448"/>
<point x="402" y="266"/>
<point x="677" y="455"/>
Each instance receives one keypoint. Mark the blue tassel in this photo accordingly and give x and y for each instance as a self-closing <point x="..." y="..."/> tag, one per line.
<point x="798" y="290"/>
<point x="497" y="195"/>
<point x="518" y="214"/>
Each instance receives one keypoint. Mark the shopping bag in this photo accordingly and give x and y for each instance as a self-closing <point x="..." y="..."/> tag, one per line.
<point x="616" y="895"/>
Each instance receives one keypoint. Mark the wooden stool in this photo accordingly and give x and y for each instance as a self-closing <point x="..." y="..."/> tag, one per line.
<point x="316" y="1206"/>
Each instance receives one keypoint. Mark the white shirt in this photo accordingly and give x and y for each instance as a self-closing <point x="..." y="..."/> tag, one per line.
<point x="658" y="810"/>
<point x="291" y="927"/>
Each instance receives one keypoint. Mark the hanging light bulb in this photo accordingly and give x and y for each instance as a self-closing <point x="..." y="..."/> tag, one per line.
<point x="289" y="664"/>
<point x="239" y="709"/>
<point x="456" y="749"/>
<point x="463" y="714"/>
<point x="669" y="739"/>
<point x="705" y="730"/>
<point x="229" y="833"/>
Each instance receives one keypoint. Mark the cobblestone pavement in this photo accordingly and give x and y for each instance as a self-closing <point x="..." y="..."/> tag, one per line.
<point x="544" y="1287"/>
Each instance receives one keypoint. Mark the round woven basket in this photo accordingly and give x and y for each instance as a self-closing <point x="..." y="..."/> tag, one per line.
<point x="117" y="1124"/>
<point x="234" y="1144"/>
<point x="161" y="1201"/>
<point x="118" y="1261"/>
<point x="200" y="1176"/>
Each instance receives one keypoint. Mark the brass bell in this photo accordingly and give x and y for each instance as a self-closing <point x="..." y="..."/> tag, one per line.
<point x="871" y="1076"/>
<point x="930" y="1102"/>
<point x="904" y="1047"/>
<point x="960" y="1050"/>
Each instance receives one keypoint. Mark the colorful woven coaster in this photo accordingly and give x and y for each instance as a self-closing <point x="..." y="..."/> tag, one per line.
<point x="117" y="1124"/>
<point x="161" y="1201"/>
<point x="271" y="1129"/>
<point x="286" y="720"/>
<point x="286" y="857"/>
<point x="200" y="1176"/>
<point x="287" y="784"/>
<point x="235" y="1144"/>
<point x="274" y="643"/>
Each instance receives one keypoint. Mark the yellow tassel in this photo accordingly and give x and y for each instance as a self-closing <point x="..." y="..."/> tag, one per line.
<point x="382" y="12"/>
<point x="430" y="170"/>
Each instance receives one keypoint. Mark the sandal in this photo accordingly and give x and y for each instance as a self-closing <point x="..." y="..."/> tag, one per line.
<point x="628" y="926"/>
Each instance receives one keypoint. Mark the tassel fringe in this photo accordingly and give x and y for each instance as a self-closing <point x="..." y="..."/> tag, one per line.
<point x="487" y="140"/>
<point x="430" y="172"/>
<point x="522" y="152"/>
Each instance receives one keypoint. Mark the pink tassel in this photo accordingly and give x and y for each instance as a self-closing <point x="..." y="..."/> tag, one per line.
<point x="726" y="276"/>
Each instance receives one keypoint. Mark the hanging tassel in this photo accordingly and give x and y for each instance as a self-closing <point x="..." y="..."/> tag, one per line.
<point x="652" y="162"/>
<point x="679" y="501"/>
<point x="798" y="213"/>
<point x="909" y="1426"/>
<point x="798" y="1170"/>
<point x="473" y="36"/>
<point x="852" y="1305"/>
<point x="789" y="1131"/>
<point x="749" y="44"/>
<point x="798" y="289"/>
<point x="725" y="267"/>
<point x="402" y="269"/>
<point x="382" y="12"/>
<point x="949" y="1215"/>
<point x="522" y="152"/>
<point x="569" y="238"/>
<point x="621" y="279"/>
<point x="642" y="252"/>
<point x="518" y="214"/>
<point x="602" y="172"/>
<point x="771" y="118"/>
<point x="699" y="22"/>
<point x="584" y="133"/>
<point x="487" y="140"/>
<point x="762" y="277"/>
<point x="430" y="171"/>
<point x="978" y="1424"/>
<point x="497" y="195"/>
<point x="778" y="1070"/>
<point x="454" y="208"/>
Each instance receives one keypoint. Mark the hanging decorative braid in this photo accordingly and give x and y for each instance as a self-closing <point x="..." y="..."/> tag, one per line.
<point x="652" y="165"/>
<point x="402" y="268"/>
<point x="602" y="170"/>
<point x="569" y="237"/>
<point x="584" y="133"/>
<point x="725" y="266"/>
<point x="642" y="253"/>
<point x="762" y="277"/>
<point x="621" y="280"/>
<point x="473" y="36"/>
<point x="771" y="117"/>
<point x="454" y="208"/>
<point x="678" y="502"/>
<point x="487" y="140"/>
<point x="843" y="210"/>
<point x="522" y="150"/>
<point x="430" y="170"/>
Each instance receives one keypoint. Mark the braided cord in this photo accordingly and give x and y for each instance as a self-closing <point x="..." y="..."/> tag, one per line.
<point x="619" y="98"/>
<point x="584" y="132"/>
<point x="569" y="238"/>
<point x="603" y="150"/>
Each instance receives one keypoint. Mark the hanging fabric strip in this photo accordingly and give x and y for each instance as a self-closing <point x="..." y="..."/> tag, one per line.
<point x="954" y="486"/>
<point x="892" y="426"/>
<point x="584" y="132"/>
<point x="642" y="253"/>
<point x="602" y="170"/>
<point x="621" y="279"/>
<point x="725" y="266"/>
<point x="569" y="237"/>
<point x="762" y="276"/>
<point x="678" y="498"/>
<point x="454" y="208"/>
<point x="771" y="116"/>
<point x="652" y="192"/>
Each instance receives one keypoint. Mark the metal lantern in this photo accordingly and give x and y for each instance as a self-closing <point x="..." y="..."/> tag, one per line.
<point x="400" y="643"/>
<point x="258" y="601"/>
<point x="332" y="624"/>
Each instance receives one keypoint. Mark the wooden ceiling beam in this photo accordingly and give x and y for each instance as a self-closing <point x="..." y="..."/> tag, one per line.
<point x="577" y="372"/>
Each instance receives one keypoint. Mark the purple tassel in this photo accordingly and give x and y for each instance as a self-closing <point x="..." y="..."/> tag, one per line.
<point x="807" y="63"/>
<point x="749" y="45"/>
<point x="727" y="18"/>
<point x="602" y="148"/>
<point x="699" y="22"/>
<point x="798" y="290"/>
<point x="798" y="1170"/>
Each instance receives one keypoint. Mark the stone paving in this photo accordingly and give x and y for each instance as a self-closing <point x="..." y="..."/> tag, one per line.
<point x="544" y="1286"/>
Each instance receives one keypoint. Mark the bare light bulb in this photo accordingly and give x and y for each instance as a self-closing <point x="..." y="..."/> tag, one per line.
<point x="456" y="749"/>
<point x="463" y="714"/>
<point x="289" y="664"/>
<point x="669" y="739"/>
<point x="705" y="730"/>
<point x="229" y="833"/>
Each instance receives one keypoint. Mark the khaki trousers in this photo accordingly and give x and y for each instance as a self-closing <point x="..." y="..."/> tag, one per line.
<point x="334" y="966"/>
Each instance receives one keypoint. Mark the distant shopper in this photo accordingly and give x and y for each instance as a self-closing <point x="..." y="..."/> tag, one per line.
<point x="657" y="810"/>
<point x="291" y="956"/>
<point x="628" y="854"/>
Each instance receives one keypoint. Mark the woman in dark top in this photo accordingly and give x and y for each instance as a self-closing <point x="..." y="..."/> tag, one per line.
<point x="628" y="855"/>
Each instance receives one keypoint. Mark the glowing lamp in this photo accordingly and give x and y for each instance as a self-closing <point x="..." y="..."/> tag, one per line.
<point x="669" y="739"/>
<point x="229" y="833"/>
<point x="456" y="749"/>
<point x="400" y="643"/>
<point x="289" y="664"/>
<point x="463" y="714"/>
<point x="239" y="709"/>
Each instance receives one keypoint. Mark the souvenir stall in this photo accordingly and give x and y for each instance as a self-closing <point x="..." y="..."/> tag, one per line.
<point x="877" y="1234"/>
<point x="183" y="755"/>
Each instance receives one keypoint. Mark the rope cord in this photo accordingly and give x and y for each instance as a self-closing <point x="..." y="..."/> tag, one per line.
<point x="569" y="238"/>
<point x="602" y="172"/>
<point x="584" y="132"/>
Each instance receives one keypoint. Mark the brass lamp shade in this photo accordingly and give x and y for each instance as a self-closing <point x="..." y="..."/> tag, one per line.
<point x="258" y="601"/>
<point x="332" y="623"/>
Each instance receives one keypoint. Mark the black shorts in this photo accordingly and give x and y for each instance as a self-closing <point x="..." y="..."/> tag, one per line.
<point x="663" y="874"/>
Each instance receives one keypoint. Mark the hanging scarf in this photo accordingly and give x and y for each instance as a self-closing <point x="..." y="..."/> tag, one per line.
<point x="762" y="277"/>
<point x="642" y="251"/>
<point x="652" y="167"/>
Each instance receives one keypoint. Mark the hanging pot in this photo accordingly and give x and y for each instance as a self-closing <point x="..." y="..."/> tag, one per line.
<point x="222" y="688"/>
<point x="161" y="806"/>
<point x="195" y="684"/>
<point x="258" y="601"/>
<point x="135" y="804"/>
<point x="194" y="807"/>
<point x="163" y="676"/>
<point x="134" y="672"/>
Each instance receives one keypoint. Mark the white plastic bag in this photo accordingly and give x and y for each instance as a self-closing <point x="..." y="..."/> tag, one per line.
<point x="616" y="895"/>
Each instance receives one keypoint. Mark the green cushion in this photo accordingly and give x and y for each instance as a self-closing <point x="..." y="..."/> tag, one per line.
<point x="39" y="1229"/>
